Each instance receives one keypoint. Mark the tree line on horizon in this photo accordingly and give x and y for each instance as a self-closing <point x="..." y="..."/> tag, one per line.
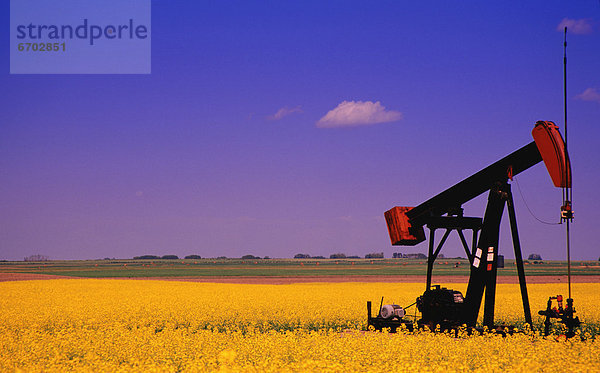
<point x="374" y="255"/>
<point x="166" y="257"/>
<point x="175" y="257"/>
<point x="340" y="256"/>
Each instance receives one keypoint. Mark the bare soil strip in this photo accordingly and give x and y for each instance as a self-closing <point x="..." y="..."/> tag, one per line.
<point x="273" y="280"/>
<point x="28" y="276"/>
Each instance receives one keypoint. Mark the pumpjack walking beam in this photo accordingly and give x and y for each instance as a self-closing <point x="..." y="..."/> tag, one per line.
<point x="477" y="184"/>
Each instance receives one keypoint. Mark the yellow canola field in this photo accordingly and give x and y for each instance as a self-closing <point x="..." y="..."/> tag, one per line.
<point x="125" y="325"/>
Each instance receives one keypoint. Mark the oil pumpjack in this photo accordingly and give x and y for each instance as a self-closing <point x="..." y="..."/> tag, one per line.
<point x="449" y="308"/>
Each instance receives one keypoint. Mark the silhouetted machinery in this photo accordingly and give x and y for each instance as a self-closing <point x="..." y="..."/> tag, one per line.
<point x="449" y="308"/>
<point x="565" y="315"/>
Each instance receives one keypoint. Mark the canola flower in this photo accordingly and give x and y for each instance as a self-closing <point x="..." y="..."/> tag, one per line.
<point x="124" y="325"/>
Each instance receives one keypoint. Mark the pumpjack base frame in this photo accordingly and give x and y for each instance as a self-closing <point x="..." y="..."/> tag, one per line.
<point x="378" y="323"/>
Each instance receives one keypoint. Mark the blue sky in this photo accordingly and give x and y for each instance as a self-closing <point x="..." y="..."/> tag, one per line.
<point x="224" y="150"/>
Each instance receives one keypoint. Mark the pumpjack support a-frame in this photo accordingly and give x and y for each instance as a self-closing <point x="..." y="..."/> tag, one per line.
<point x="444" y="211"/>
<point x="483" y="276"/>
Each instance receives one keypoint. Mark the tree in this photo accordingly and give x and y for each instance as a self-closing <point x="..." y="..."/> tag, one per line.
<point x="169" y="257"/>
<point x="301" y="256"/>
<point x="337" y="256"/>
<point x="144" y="257"/>
<point x="535" y="257"/>
<point x="374" y="256"/>
<point x="250" y="257"/>
<point x="410" y="256"/>
<point x="36" y="258"/>
<point x="193" y="257"/>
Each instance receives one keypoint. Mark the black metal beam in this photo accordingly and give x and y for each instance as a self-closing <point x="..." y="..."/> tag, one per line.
<point x="465" y="245"/>
<point x="518" y="256"/>
<point x="471" y="187"/>
<point x="474" y="244"/>
<point x="449" y="223"/>
<point x="483" y="271"/>
<point x="430" y="259"/>
<point x="453" y="222"/>
<point x="433" y="255"/>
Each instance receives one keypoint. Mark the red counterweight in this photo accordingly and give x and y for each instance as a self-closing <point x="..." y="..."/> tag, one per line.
<point x="400" y="229"/>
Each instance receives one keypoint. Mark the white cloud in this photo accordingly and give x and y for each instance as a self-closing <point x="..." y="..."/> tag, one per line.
<point x="577" y="26"/>
<point x="358" y="113"/>
<point x="284" y="112"/>
<point x="590" y="94"/>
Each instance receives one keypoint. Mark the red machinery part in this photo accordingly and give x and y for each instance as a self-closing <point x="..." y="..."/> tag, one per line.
<point x="552" y="149"/>
<point x="400" y="229"/>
